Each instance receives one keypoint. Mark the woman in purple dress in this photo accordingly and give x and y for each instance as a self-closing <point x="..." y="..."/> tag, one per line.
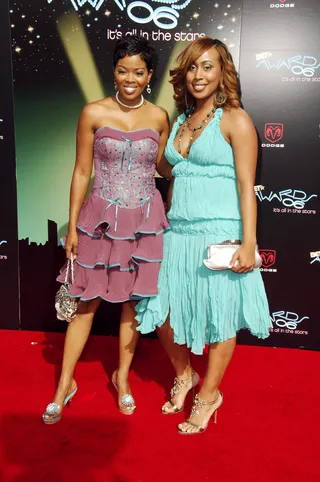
<point x="116" y="234"/>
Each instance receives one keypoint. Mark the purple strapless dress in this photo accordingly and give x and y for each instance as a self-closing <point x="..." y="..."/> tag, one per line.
<point x="121" y="224"/>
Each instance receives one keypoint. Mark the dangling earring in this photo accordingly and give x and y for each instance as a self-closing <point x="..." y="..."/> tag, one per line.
<point x="115" y="86"/>
<point x="186" y="100"/>
<point x="220" y="96"/>
<point x="148" y="89"/>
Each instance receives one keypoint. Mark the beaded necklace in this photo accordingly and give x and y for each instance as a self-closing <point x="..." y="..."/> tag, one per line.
<point x="187" y="123"/>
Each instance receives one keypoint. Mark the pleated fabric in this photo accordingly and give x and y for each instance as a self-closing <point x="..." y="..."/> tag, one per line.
<point x="205" y="306"/>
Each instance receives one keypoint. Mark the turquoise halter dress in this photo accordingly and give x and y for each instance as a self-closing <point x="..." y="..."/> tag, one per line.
<point x="205" y="306"/>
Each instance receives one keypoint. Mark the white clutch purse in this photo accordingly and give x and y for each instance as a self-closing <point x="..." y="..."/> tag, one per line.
<point x="220" y="255"/>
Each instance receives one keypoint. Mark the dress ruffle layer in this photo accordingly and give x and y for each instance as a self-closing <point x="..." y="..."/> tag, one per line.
<point x="218" y="199"/>
<point x="119" y="251"/>
<point x="205" y="306"/>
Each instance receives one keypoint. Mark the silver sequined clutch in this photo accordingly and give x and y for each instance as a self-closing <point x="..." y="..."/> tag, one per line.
<point x="66" y="307"/>
<point x="220" y="255"/>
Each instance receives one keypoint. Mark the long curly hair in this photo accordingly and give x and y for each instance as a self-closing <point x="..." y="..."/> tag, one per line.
<point x="227" y="95"/>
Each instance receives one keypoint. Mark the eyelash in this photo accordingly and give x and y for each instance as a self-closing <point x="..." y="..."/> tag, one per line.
<point x="122" y="72"/>
<point x="206" y="67"/>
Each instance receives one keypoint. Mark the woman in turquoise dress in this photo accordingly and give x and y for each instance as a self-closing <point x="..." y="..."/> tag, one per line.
<point x="213" y="151"/>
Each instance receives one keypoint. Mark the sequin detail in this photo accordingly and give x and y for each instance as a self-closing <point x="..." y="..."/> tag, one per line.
<point x="134" y="182"/>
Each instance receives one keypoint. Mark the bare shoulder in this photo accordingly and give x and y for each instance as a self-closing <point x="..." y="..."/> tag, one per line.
<point x="91" y="110"/>
<point x="95" y="112"/>
<point x="157" y="111"/>
<point x="98" y="107"/>
<point x="159" y="117"/>
<point x="238" y="120"/>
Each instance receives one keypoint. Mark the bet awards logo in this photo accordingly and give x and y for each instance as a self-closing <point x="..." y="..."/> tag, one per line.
<point x="282" y="4"/>
<point x="273" y="132"/>
<point x="3" y="256"/>
<point x="141" y="12"/>
<point x="315" y="257"/>
<point x="268" y="257"/>
<point x="288" y="322"/>
<point x="298" y="65"/>
<point x="293" y="200"/>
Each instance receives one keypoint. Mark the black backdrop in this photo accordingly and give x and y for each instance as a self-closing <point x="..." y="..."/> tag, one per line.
<point x="9" y="291"/>
<point x="280" y="76"/>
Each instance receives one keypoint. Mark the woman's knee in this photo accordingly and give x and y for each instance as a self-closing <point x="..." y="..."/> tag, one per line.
<point x="88" y="307"/>
<point x="129" y="307"/>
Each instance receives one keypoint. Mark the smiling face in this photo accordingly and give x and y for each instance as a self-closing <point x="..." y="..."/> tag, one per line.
<point x="204" y="75"/>
<point x="131" y="76"/>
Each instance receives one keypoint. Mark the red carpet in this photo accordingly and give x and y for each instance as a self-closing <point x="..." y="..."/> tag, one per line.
<point x="268" y="427"/>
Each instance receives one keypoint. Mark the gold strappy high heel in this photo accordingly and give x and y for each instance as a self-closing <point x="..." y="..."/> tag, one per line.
<point x="197" y="405"/>
<point x="178" y="384"/>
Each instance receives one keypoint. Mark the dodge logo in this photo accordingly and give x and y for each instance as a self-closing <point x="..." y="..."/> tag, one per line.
<point x="273" y="131"/>
<point x="268" y="257"/>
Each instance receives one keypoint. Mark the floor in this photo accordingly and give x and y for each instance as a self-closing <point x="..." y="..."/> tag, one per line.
<point x="268" y="428"/>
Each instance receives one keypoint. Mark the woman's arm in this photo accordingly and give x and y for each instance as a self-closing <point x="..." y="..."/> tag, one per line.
<point x="81" y="175"/>
<point x="163" y="167"/>
<point x="245" y="148"/>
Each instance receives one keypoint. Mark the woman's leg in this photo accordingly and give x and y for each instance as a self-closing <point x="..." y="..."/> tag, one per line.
<point x="220" y="355"/>
<point x="128" y="339"/>
<point x="77" y="334"/>
<point x="180" y="359"/>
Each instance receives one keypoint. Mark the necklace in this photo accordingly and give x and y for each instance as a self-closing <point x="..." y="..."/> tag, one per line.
<point x="130" y="106"/>
<point x="187" y="123"/>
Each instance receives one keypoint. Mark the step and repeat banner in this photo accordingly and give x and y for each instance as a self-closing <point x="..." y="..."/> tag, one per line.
<point x="62" y="59"/>
<point x="280" y="77"/>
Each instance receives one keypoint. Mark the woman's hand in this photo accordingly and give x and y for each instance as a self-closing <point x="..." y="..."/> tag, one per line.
<point x="72" y="245"/>
<point x="243" y="259"/>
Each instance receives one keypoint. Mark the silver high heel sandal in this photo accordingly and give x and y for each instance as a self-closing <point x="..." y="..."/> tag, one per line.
<point x="127" y="400"/>
<point x="54" y="409"/>
<point x="178" y="384"/>
<point x="197" y="405"/>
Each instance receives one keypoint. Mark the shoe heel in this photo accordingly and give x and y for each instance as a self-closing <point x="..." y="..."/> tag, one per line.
<point x="69" y="397"/>
<point x="215" y="416"/>
<point x="193" y="393"/>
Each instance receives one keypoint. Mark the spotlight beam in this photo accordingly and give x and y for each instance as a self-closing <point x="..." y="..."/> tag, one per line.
<point x="77" y="48"/>
<point x="165" y="96"/>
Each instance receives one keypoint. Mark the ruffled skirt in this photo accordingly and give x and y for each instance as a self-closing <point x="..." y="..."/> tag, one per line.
<point x="119" y="250"/>
<point x="205" y="306"/>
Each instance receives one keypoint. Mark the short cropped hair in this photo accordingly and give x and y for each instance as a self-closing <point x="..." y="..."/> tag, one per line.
<point x="134" y="45"/>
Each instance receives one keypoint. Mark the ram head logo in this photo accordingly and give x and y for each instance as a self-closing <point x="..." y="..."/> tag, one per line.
<point x="268" y="257"/>
<point x="273" y="131"/>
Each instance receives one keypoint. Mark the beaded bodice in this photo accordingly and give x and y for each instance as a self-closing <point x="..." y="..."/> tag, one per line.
<point x="125" y="164"/>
